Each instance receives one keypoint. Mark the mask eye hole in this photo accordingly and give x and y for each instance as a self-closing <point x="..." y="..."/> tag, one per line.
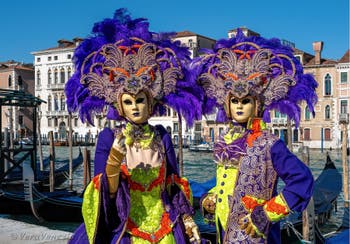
<point x="246" y="100"/>
<point x="140" y="100"/>
<point x="127" y="102"/>
<point x="234" y="100"/>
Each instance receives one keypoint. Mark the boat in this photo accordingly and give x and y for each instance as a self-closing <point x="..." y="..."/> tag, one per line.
<point x="204" y="147"/>
<point x="30" y="196"/>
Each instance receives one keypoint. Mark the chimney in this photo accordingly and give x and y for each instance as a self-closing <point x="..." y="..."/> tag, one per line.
<point x="317" y="46"/>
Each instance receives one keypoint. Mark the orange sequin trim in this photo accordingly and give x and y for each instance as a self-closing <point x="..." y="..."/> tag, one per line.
<point x="180" y="181"/>
<point x="96" y="181"/>
<point x="164" y="229"/>
<point x="250" y="203"/>
<point x="275" y="207"/>
<point x="139" y="187"/>
<point x="256" y="132"/>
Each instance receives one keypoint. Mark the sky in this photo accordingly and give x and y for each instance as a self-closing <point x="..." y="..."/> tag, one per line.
<point x="28" y="26"/>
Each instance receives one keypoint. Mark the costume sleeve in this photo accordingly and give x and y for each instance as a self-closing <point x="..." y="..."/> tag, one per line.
<point x="178" y="187"/>
<point x="103" y="146"/>
<point x="295" y="194"/>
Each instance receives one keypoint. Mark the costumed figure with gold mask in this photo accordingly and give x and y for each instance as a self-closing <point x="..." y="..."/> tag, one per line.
<point x="245" y="78"/>
<point x="136" y="195"/>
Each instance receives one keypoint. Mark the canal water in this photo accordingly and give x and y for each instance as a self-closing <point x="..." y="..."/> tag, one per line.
<point x="198" y="167"/>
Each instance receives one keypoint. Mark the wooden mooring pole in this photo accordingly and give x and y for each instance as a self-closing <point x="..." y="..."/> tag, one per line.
<point x="70" y="143"/>
<point x="52" y="162"/>
<point x="308" y="215"/>
<point x="345" y="165"/>
<point x="87" y="168"/>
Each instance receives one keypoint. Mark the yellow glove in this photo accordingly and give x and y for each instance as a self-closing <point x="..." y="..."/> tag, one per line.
<point x="115" y="159"/>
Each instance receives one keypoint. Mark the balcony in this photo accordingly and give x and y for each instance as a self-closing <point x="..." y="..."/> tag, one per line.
<point x="279" y="121"/>
<point x="58" y="86"/>
<point x="56" y="113"/>
<point x="344" y="118"/>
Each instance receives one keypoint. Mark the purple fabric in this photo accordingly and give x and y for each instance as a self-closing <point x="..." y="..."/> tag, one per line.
<point x="296" y="175"/>
<point x="114" y="212"/>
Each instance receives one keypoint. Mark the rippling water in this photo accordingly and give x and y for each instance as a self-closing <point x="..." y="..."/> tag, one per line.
<point x="200" y="167"/>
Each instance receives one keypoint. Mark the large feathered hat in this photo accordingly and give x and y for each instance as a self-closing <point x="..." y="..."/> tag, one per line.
<point x="123" y="56"/>
<point x="255" y="66"/>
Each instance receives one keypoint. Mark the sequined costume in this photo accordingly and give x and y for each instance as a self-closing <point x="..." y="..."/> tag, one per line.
<point x="154" y="194"/>
<point x="250" y="159"/>
<point x="137" y="195"/>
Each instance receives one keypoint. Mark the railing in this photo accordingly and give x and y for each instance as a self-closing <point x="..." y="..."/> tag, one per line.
<point x="58" y="86"/>
<point x="344" y="118"/>
<point x="57" y="113"/>
<point x="279" y="121"/>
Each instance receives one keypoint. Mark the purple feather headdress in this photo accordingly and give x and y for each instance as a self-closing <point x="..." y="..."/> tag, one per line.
<point x="255" y="66"/>
<point x="123" y="56"/>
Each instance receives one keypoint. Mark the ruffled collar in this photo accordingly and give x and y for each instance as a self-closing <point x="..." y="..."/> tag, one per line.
<point x="234" y="143"/>
<point x="138" y="135"/>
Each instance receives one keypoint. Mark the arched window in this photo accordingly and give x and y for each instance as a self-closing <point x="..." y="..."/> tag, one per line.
<point x="49" y="77"/>
<point x="327" y="85"/>
<point x="307" y="113"/>
<point x="69" y="72"/>
<point x="10" y="81"/>
<point x="20" y="81"/>
<point x="295" y="135"/>
<point x="56" y="76"/>
<point x="327" y="112"/>
<point x="38" y="78"/>
<point x="307" y="136"/>
<point x="49" y="103"/>
<point x="62" y="74"/>
<point x="56" y="103"/>
<point x="63" y="103"/>
<point x="327" y="134"/>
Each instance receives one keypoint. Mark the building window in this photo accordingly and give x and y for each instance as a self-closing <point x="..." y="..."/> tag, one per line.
<point x="198" y="127"/>
<point x="55" y="58"/>
<point x="38" y="78"/>
<point x="176" y="127"/>
<point x="99" y="122"/>
<point x="307" y="134"/>
<point x="55" y="122"/>
<point x="20" y="120"/>
<point x="20" y="81"/>
<point x="307" y="113"/>
<point x="49" y="58"/>
<point x="69" y="56"/>
<point x="10" y="81"/>
<point x="56" y="103"/>
<point x="75" y="121"/>
<point x="49" y="122"/>
<point x="221" y="131"/>
<point x="62" y="74"/>
<point x="55" y="76"/>
<point x="277" y="114"/>
<point x="327" y="134"/>
<point x="295" y="135"/>
<point x="343" y="77"/>
<point x="168" y="112"/>
<point x="327" y="112"/>
<point x="343" y="106"/>
<point x="49" y="104"/>
<point x="327" y="85"/>
<point x="49" y="75"/>
<point x="69" y="73"/>
<point x="63" y="103"/>
<point x="38" y="59"/>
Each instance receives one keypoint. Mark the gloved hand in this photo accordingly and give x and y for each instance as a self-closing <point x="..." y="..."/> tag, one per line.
<point x="209" y="203"/>
<point x="192" y="230"/>
<point x="115" y="159"/>
<point x="247" y="225"/>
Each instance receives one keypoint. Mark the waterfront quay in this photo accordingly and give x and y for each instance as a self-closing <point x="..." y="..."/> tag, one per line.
<point x="19" y="232"/>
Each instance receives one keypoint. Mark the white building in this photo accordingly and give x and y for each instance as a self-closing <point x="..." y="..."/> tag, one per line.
<point x="54" y="66"/>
